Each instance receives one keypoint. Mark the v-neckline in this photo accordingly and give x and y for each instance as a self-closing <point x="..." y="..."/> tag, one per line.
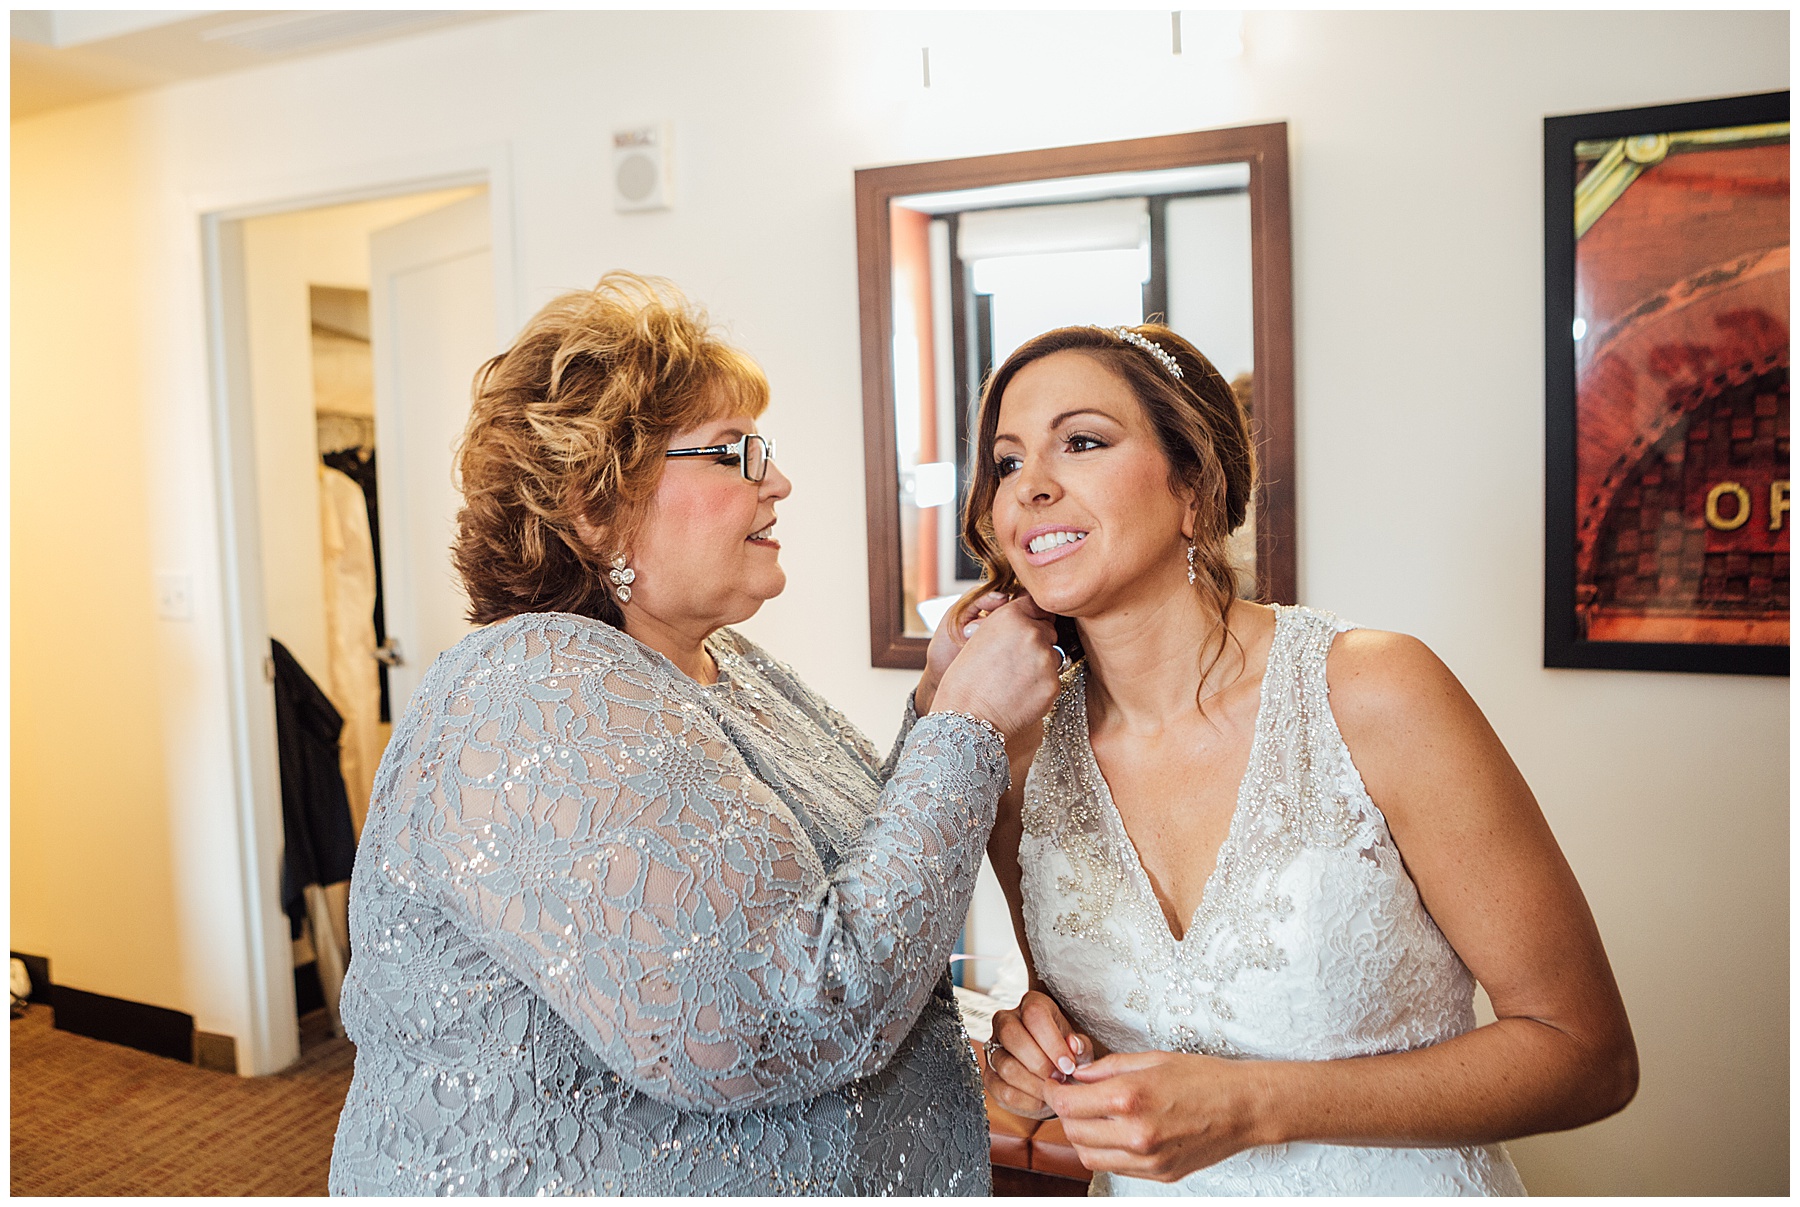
<point x="1240" y="808"/>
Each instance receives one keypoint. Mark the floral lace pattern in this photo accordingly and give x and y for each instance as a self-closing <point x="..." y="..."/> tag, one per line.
<point x="1310" y="941"/>
<point x="616" y="932"/>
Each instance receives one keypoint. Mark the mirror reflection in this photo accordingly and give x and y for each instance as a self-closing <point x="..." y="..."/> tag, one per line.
<point x="977" y="272"/>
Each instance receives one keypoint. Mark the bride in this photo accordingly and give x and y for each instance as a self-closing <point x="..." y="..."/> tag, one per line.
<point x="1262" y="856"/>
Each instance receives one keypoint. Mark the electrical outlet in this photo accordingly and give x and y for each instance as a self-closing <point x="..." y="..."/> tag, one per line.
<point x="175" y="595"/>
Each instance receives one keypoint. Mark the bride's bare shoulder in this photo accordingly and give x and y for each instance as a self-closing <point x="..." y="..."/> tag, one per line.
<point x="1382" y="680"/>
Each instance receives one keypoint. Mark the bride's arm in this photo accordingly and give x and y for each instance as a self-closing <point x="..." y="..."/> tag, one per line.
<point x="1003" y="840"/>
<point x="1035" y="1041"/>
<point x="1489" y="871"/>
<point x="1017" y="1065"/>
<point x="1003" y="854"/>
<point x="1029" y="1040"/>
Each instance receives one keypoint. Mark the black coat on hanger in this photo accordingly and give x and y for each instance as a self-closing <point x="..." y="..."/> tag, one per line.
<point x="315" y="807"/>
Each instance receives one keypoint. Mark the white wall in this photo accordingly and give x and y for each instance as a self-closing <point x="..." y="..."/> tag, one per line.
<point x="1416" y="151"/>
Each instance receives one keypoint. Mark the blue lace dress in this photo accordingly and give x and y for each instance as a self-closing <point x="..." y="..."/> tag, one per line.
<point x="616" y="932"/>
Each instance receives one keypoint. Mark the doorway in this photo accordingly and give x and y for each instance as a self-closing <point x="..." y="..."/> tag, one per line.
<point x="345" y="339"/>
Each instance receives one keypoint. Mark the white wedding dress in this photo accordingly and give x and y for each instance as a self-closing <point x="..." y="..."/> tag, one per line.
<point x="1310" y="942"/>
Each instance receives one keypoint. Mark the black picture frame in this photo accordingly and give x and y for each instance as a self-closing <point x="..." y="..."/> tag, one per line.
<point x="1564" y="644"/>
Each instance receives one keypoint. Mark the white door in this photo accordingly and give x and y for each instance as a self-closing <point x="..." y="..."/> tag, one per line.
<point x="432" y="324"/>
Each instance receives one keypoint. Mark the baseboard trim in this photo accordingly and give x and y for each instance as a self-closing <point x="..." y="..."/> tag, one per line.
<point x="215" y="1052"/>
<point x="116" y="1020"/>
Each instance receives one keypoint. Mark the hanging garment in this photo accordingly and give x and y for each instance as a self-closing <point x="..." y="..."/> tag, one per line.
<point x="321" y="845"/>
<point x="315" y="814"/>
<point x="350" y="643"/>
<point x="358" y="464"/>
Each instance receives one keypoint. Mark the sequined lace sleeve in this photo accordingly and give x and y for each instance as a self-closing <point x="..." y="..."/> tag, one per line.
<point x="908" y="719"/>
<point x="598" y="834"/>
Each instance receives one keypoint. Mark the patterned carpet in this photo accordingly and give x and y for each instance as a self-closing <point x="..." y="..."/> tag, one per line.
<point x="95" y="1118"/>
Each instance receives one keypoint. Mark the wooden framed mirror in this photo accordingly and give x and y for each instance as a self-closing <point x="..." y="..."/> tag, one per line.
<point x="961" y="260"/>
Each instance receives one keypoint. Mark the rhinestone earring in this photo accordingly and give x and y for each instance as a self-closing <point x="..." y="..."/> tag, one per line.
<point x="622" y="576"/>
<point x="1193" y="575"/>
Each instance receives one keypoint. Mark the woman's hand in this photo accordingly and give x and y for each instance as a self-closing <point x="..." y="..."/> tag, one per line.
<point x="1158" y="1115"/>
<point x="1008" y="670"/>
<point x="947" y="642"/>
<point x="1033" y="1045"/>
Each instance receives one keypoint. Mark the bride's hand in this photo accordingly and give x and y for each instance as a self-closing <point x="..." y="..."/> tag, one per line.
<point x="947" y="642"/>
<point x="1160" y="1115"/>
<point x="1033" y="1045"/>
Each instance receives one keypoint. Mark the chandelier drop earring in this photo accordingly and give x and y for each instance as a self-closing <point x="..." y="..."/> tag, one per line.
<point x="622" y="576"/>
<point x="1193" y="575"/>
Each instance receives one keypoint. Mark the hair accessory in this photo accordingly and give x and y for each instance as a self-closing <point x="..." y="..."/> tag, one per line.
<point x="1193" y="575"/>
<point x="1151" y="346"/>
<point x="621" y="576"/>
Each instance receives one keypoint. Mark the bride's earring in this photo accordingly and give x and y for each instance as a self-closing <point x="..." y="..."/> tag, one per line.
<point x="622" y="576"/>
<point x="1193" y="575"/>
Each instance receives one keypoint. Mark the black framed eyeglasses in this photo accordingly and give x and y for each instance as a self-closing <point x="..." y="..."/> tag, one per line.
<point x="753" y="453"/>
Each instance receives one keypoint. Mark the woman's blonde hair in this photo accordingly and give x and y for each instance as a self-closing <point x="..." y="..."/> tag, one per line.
<point x="567" y="433"/>
<point x="1204" y="434"/>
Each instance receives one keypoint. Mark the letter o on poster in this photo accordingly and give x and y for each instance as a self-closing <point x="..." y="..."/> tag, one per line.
<point x="1738" y="518"/>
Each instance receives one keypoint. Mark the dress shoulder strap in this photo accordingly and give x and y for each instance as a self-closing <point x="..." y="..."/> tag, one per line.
<point x="1307" y="636"/>
<point x="1058" y="797"/>
<point x="1297" y="742"/>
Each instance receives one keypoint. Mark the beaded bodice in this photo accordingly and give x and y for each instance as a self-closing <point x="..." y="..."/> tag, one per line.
<point x="616" y="932"/>
<point x="1310" y="941"/>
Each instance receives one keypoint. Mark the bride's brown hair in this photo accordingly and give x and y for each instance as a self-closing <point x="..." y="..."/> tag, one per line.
<point x="1204" y="434"/>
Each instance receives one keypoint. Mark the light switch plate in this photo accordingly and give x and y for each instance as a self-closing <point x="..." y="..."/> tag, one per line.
<point x="175" y="595"/>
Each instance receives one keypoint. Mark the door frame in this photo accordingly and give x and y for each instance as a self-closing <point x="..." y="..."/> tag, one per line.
<point x="272" y="1042"/>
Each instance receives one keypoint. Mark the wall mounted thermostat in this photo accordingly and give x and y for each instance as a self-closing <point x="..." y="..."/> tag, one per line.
<point x="640" y="168"/>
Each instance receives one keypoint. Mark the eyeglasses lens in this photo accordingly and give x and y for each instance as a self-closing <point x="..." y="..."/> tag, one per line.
<point x="756" y="458"/>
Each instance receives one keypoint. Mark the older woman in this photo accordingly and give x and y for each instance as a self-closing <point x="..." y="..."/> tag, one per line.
<point x="635" y="911"/>
<point x="1263" y="856"/>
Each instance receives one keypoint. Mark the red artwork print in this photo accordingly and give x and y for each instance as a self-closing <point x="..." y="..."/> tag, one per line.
<point x="1682" y="397"/>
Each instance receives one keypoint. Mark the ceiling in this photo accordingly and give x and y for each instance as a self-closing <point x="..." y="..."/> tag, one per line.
<point x="70" y="57"/>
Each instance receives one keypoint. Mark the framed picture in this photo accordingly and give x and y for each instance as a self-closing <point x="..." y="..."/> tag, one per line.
<point x="959" y="261"/>
<point x="1666" y="387"/>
